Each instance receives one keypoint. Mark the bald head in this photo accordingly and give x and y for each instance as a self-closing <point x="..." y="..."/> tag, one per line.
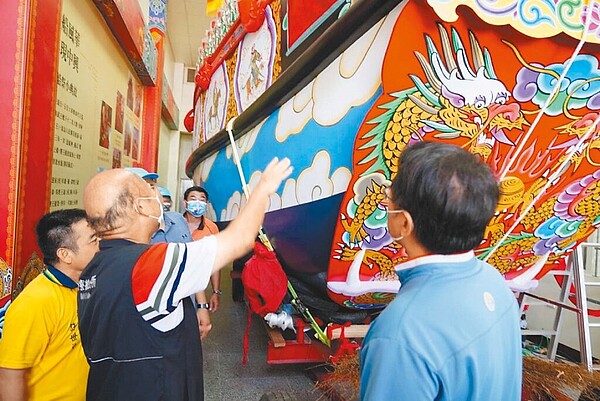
<point x="109" y="198"/>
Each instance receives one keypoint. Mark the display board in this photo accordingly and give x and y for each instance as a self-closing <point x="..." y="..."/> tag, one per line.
<point x="98" y="105"/>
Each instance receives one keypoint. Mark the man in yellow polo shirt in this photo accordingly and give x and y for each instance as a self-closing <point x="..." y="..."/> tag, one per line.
<point x="41" y="357"/>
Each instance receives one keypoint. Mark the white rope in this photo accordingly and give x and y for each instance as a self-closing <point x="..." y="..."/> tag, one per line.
<point x="229" y="127"/>
<point x="553" y="177"/>
<point x="236" y="158"/>
<point x="556" y="88"/>
<point x="569" y="154"/>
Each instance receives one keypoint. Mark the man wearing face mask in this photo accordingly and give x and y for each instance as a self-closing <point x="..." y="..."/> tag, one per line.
<point x="452" y="332"/>
<point x="174" y="228"/>
<point x="138" y="325"/>
<point x="166" y="198"/>
<point x="195" y="201"/>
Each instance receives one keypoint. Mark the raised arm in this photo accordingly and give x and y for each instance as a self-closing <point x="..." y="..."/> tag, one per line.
<point x="238" y="238"/>
<point x="152" y="281"/>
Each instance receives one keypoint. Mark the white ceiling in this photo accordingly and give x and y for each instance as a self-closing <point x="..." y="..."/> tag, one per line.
<point x="186" y="24"/>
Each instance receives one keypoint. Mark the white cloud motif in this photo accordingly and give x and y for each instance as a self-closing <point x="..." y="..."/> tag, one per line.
<point x="274" y="199"/>
<point x="361" y="185"/>
<point x="211" y="213"/>
<point x="340" y="178"/>
<point x="350" y="80"/>
<point x="233" y="207"/>
<point x="314" y="182"/>
<point x="202" y="172"/>
<point x="237" y="201"/>
<point x="294" y="114"/>
<point x="245" y="143"/>
<point x="288" y="196"/>
<point x="354" y="77"/>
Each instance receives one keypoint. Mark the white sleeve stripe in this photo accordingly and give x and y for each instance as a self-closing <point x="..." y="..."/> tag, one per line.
<point x="186" y="269"/>
<point x="171" y="320"/>
<point x="198" y="266"/>
<point x="162" y="285"/>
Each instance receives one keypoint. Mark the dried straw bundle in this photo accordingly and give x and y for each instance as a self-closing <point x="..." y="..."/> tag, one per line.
<point x="343" y="379"/>
<point x="544" y="380"/>
<point x="547" y="380"/>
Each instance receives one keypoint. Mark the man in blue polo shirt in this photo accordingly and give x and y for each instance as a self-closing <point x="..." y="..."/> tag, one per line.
<point x="452" y="332"/>
<point x="175" y="229"/>
<point x="167" y="199"/>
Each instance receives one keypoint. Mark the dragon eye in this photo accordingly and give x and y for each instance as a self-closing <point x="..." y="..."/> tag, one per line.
<point x="501" y="99"/>
<point x="480" y="104"/>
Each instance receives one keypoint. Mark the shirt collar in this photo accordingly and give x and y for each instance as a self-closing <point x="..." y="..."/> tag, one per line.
<point x="58" y="277"/>
<point x="431" y="259"/>
<point x="114" y="243"/>
<point x="168" y="223"/>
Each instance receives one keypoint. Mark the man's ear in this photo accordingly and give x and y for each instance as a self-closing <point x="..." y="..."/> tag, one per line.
<point x="64" y="255"/>
<point x="138" y="205"/>
<point x="406" y="224"/>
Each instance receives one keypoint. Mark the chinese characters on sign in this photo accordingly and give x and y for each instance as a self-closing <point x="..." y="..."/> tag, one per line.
<point x="69" y="123"/>
<point x="99" y="105"/>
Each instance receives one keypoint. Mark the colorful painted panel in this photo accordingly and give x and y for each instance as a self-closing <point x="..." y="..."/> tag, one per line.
<point x="198" y="131"/>
<point x="499" y="94"/>
<point x="4" y="304"/>
<point x="5" y="279"/>
<point x="316" y="129"/>
<point x="254" y="65"/>
<point x="528" y="107"/>
<point x="215" y="102"/>
<point x="534" y="18"/>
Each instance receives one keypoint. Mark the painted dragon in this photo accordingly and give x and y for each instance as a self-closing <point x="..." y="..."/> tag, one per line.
<point x="464" y="102"/>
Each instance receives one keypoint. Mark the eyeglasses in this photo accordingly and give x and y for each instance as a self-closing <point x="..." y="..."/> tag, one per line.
<point x="388" y="194"/>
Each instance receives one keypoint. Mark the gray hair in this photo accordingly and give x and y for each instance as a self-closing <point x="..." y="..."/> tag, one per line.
<point x="117" y="212"/>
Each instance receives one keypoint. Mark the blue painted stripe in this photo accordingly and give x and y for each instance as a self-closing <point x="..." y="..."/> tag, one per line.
<point x="314" y="26"/>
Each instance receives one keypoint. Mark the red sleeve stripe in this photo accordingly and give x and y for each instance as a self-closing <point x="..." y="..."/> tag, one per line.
<point x="146" y="272"/>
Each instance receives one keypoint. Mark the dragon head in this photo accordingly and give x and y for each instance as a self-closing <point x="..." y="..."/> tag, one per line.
<point x="470" y="101"/>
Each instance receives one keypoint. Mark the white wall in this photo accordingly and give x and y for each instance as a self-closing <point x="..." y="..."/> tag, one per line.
<point x="168" y="66"/>
<point x="168" y="147"/>
<point x="144" y="6"/>
<point x="541" y="317"/>
<point x="168" y="151"/>
<point x="186" y="97"/>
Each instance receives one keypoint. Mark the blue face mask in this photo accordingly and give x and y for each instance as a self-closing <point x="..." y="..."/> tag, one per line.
<point x="196" y="208"/>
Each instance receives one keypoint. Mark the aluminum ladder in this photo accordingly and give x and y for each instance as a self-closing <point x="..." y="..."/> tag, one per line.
<point x="574" y="276"/>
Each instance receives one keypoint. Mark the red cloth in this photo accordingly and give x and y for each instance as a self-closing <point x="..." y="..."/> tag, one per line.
<point x="264" y="281"/>
<point x="265" y="284"/>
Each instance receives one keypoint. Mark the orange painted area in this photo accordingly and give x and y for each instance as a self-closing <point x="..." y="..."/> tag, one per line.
<point x="526" y="162"/>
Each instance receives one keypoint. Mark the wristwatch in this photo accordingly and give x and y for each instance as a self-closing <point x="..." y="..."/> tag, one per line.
<point x="218" y="292"/>
<point x="203" y="306"/>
